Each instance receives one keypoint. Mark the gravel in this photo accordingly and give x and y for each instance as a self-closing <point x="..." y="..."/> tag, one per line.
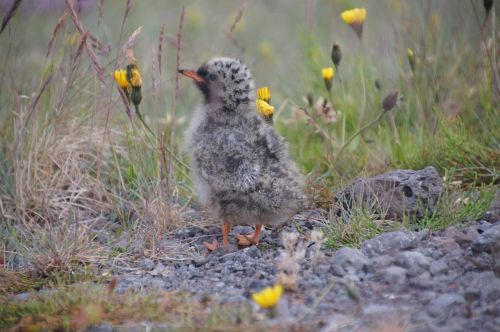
<point x="443" y="281"/>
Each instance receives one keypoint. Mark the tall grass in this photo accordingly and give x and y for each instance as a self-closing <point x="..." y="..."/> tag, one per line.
<point x="76" y="164"/>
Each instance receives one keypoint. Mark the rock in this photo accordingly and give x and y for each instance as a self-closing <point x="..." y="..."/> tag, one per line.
<point x="438" y="267"/>
<point x="485" y="282"/>
<point x="441" y="246"/>
<point x="394" y="275"/>
<point x="489" y="241"/>
<point x="350" y="260"/>
<point x="379" y="263"/>
<point x="253" y="252"/>
<point x="395" y="194"/>
<point x="104" y="327"/>
<point x="377" y="311"/>
<point x="493" y="213"/>
<point x="158" y="269"/>
<point x="446" y="304"/>
<point x="410" y="259"/>
<point x="147" y="264"/>
<point x="472" y="294"/>
<point x="389" y="243"/>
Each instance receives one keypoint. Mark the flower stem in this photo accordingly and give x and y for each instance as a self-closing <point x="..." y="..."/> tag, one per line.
<point x="369" y="124"/>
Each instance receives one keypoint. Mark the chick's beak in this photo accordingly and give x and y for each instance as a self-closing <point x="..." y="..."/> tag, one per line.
<point x="192" y="75"/>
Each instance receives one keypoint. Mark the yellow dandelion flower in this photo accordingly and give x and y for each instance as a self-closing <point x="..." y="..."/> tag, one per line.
<point x="327" y="74"/>
<point x="268" y="297"/>
<point x="264" y="109"/>
<point x="121" y="79"/>
<point x="264" y="94"/>
<point x="134" y="75"/>
<point x="355" y="18"/>
<point x="411" y="58"/>
<point x="352" y="16"/>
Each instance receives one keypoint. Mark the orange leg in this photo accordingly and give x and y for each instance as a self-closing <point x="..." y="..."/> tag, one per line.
<point x="226" y="228"/>
<point x="248" y="240"/>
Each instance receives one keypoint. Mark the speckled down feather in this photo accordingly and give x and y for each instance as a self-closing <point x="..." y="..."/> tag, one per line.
<point x="240" y="165"/>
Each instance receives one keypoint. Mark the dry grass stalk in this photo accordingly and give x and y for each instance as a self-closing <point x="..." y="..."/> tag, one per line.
<point x="100" y="9"/>
<point x="98" y="45"/>
<point x="95" y="63"/>
<point x="10" y="13"/>
<point x="176" y="98"/>
<point x="125" y="102"/>
<point x="127" y="10"/>
<point x="93" y="59"/>
<point x="57" y="27"/>
<point x="238" y="17"/>
<point x="154" y="68"/>
<point x="34" y="104"/>
<point x="76" y="58"/>
<point x="127" y="47"/>
<point x="230" y="32"/>
<point x="160" y="47"/>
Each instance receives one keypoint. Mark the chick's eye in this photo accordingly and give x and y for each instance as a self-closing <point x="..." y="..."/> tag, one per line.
<point x="212" y="77"/>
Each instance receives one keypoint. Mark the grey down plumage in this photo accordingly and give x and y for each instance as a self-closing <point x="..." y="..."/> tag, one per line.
<point x="240" y="166"/>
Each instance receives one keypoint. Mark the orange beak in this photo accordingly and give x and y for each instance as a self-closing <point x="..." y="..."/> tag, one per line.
<point x="192" y="75"/>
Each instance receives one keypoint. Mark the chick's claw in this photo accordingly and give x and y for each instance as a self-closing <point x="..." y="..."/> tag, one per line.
<point x="245" y="240"/>
<point x="211" y="246"/>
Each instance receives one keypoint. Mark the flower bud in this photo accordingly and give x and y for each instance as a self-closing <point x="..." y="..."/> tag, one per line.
<point x="336" y="54"/>
<point x="390" y="101"/>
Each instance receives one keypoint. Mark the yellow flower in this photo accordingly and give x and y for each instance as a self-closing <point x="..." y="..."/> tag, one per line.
<point x="268" y="297"/>
<point x="264" y="94"/>
<point x="355" y="18"/>
<point x="411" y="58"/>
<point x="134" y="76"/>
<point x="327" y="73"/>
<point x="352" y="16"/>
<point x="264" y="109"/>
<point x="121" y="79"/>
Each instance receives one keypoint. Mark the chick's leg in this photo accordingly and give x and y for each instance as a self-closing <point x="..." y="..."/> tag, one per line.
<point x="248" y="240"/>
<point x="211" y="246"/>
<point x="226" y="228"/>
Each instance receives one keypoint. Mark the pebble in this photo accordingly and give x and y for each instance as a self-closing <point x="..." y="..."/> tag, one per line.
<point x="389" y="243"/>
<point x="489" y="241"/>
<point x="445" y="304"/>
<point x="443" y="281"/>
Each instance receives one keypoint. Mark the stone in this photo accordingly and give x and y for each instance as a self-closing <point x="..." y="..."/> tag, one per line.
<point x="350" y="260"/>
<point x="438" y="267"/>
<point x="489" y="241"/>
<point x="147" y="264"/>
<point x="253" y="252"/>
<point x="410" y="259"/>
<point x="394" y="275"/>
<point x="445" y="304"/>
<point x="493" y="213"/>
<point x="379" y="263"/>
<point x="158" y="269"/>
<point x="442" y="246"/>
<point x="389" y="243"/>
<point x="395" y="194"/>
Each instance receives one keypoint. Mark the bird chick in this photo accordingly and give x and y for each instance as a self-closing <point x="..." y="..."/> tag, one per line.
<point x="240" y="166"/>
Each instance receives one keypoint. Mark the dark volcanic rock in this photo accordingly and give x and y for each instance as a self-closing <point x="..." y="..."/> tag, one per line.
<point x="489" y="241"/>
<point x="395" y="194"/>
<point x="389" y="243"/>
